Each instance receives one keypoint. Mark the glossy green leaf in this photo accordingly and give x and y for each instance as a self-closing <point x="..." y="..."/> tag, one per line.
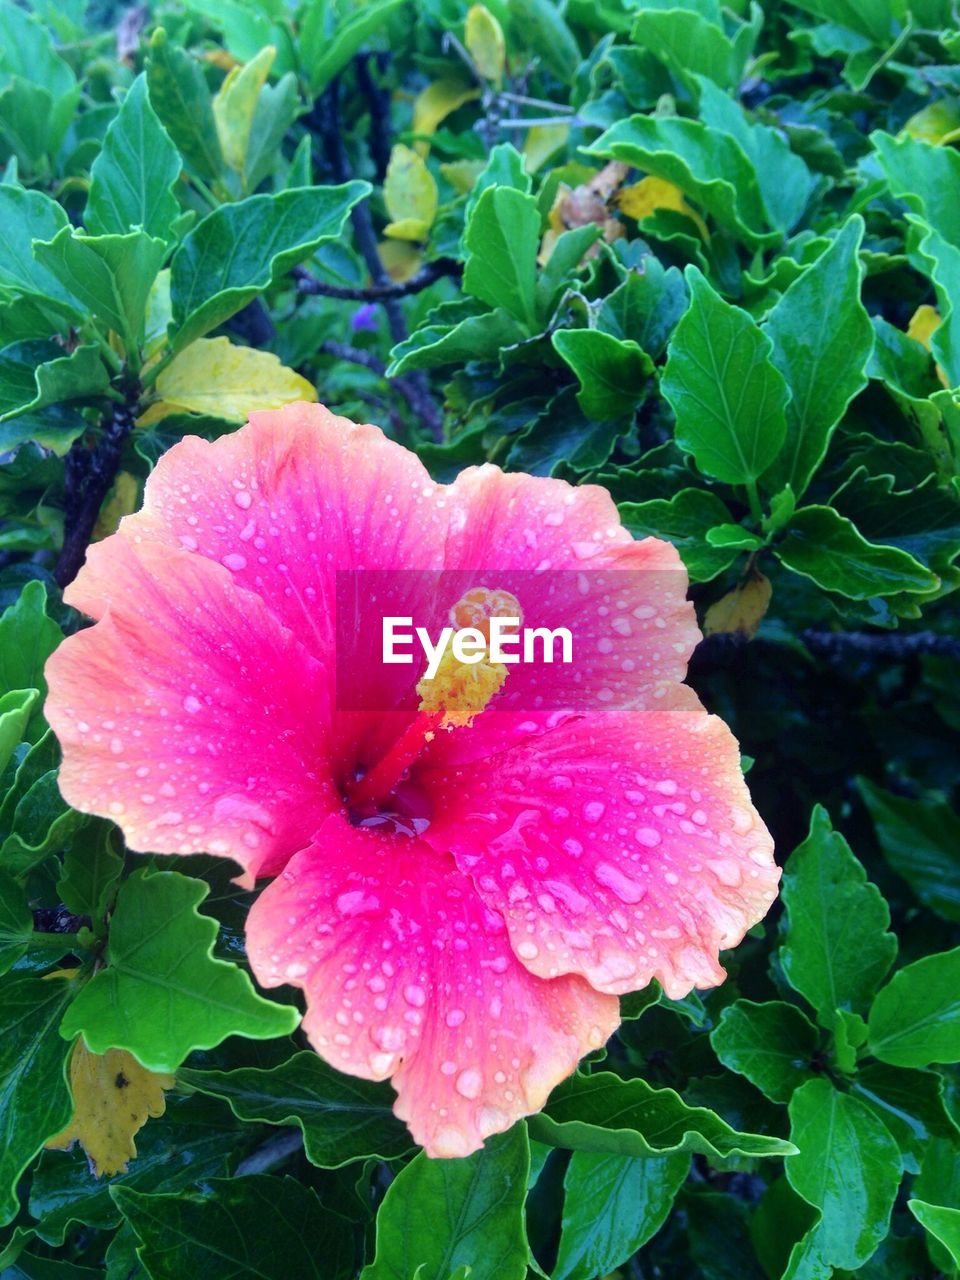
<point x="92" y="868"/>
<point x="604" y="1114"/>
<point x="15" y="710"/>
<point x="181" y="99"/>
<point x="915" y="1018"/>
<point x="35" y="821"/>
<point x="269" y="1228"/>
<point x="828" y="549"/>
<point x="26" y="216"/>
<point x="822" y="338"/>
<point x="327" y="45"/>
<point x="645" y="308"/>
<point x="684" y="520"/>
<point x="612" y="1205"/>
<point x="501" y="243"/>
<point x="920" y="839"/>
<point x="910" y="1103"/>
<point x="849" y="1168"/>
<point x="773" y="1044"/>
<point x="692" y="45"/>
<point x="27" y="639"/>
<point x="34" y="1098"/>
<point x="942" y="1222"/>
<point x="836" y="950"/>
<point x="728" y="397"/>
<point x="36" y="374"/>
<point x="162" y="993"/>
<point x="16" y="922"/>
<point x="342" y="1118"/>
<point x="240" y="249"/>
<point x="473" y="337"/>
<point x="475" y="1217"/>
<point x="613" y="372"/>
<point x="110" y="274"/>
<point x="708" y="166"/>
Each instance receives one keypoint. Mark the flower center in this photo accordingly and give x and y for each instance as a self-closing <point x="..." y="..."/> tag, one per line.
<point x="452" y="699"/>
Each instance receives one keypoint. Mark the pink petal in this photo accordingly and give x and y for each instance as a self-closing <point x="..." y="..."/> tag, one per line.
<point x="408" y="975"/>
<point x="621" y="848"/>
<point x="189" y="715"/>
<point x="564" y="554"/>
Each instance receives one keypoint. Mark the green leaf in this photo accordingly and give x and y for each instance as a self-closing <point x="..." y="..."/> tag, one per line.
<point x="36" y="374"/>
<point x="342" y="1118"/>
<point x="943" y="262"/>
<point x="772" y="1044"/>
<point x="728" y="397"/>
<point x="92" y="868"/>
<point x="238" y="1229"/>
<point x="910" y="1104"/>
<point x="561" y="436"/>
<point x="849" y="1168"/>
<point x="915" y="1018"/>
<point x="693" y="156"/>
<point x="132" y="179"/>
<point x="604" y="1114"/>
<point x="29" y="51"/>
<point x="920" y="839"/>
<point x="16" y="922"/>
<point x="612" y="1205"/>
<point x="326" y="52"/>
<point x="504" y="168"/>
<point x="475" y="1216"/>
<point x="924" y="177"/>
<point x="15" y="709"/>
<point x="26" y="216"/>
<point x="646" y="306"/>
<point x="613" y="372"/>
<point x="34" y="1099"/>
<point x="111" y="275"/>
<point x="837" y="950"/>
<point x="822" y="339"/>
<point x="181" y="99"/>
<point x="477" y="337"/>
<point x="538" y="25"/>
<point x="942" y="1222"/>
<point x="501" y="242"/>
<point x="829" y="549"/>
<point x="27" y="639"/>
<point x="241" y="249"/>
<point x="162" y="994"/>
<point x="684" y="520"/>
<point x="34" y="819"/>
<point x="692" y="46"/>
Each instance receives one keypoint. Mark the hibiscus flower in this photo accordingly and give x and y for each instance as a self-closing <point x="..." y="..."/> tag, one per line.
<point x="461" y="889"/>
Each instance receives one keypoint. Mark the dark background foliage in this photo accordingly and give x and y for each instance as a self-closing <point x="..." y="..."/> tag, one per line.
<point x="705" y="256"/>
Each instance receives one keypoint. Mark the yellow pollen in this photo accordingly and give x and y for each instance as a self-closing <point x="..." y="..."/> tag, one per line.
<point x="461" y="690"/>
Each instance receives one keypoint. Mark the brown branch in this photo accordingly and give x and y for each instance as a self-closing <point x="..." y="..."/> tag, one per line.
<point x="428" y="274"/>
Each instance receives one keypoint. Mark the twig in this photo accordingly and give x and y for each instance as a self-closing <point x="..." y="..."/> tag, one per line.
<point x="428" y="274"/>
<point x="88" y="475"/>
<point x="274" y="1151"/>
<point x="379" y="100"/>
<point x="887" y="644"/>
<point x="324" y="119"/>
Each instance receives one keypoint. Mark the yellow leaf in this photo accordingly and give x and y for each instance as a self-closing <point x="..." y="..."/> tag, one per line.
<point x="235" y="105"/>
<point x="542" y="142"/>
<point x="213" y="376"/>
<point x="113" y="1097"/>
<point x="740" y="610"/>
<point x="155" y="412"/>
<point x="410" y="194"/>
<point x="462" y="174"/>
<point x="483" y="37"/>
<point x="939" y="122"/>
<point x="122" y="500"/>
<point x="437" y="101"/>
<point x="650" y="194"/>
<point x="924" y="323"/>
<point x="401" y="259"/>
<point x="221" y="58"/>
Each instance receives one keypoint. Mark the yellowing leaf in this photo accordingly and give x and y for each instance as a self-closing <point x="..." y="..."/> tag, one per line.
<point x="434" y="103"/>
<point x="401" y="259"/>
<point x="462" y="174"/>
<point x="159" y="314"/>
<point x="215" y="377"/>
<point x="542" y="142"/>
<point x="122" y="500"/>
<point x="740" y="610"/>
<point x="113" y="1097"/>
<point x="650" y="194"/>
<point x="483" y="37"/>
<point x="939" y="122"/>
<point x="410" y="194"/>
<point x="235" y="104"/>
<point x="924" y="323"/>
